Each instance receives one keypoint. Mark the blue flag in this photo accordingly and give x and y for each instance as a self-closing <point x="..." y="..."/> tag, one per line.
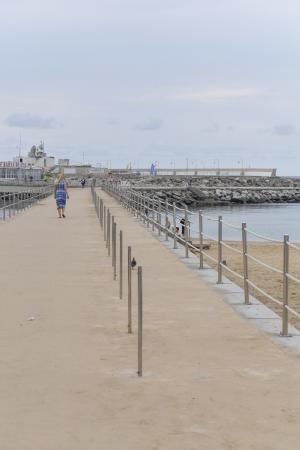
<point x="152" y="169"/>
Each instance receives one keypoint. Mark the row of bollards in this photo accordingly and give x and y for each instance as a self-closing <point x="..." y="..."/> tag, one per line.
<point x="108" y="225"/>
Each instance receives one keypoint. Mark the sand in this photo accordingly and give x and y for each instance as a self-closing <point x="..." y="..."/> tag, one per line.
<point x="269" y="281"/>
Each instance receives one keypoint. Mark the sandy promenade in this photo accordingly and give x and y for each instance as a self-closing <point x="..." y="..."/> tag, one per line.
<point x="67" y="379"/>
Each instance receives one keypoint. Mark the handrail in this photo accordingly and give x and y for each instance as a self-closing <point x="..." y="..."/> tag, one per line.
<point x="265" y="238"/>
<point x="16" y="206"/>
<point x="293" y="246"/>
<point x="258" y="261"/>
<point x="138" y="204"/>
<point x="231" y="248"/>
<point x="232" y="271"/>
<point x="265" y="293"/>
<point x="234" y="227"/>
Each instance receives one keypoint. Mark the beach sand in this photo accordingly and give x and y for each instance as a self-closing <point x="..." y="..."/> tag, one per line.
<point x="271" y="282"/>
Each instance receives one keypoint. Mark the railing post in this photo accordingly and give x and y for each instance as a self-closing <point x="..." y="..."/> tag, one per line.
<point x="121" y="265"/>
<point x="148" y="211"/>
<point x="159" y="217"/>
<point x="219" y="250"/>
<point x="144" y="208"/>
<point x="100" y="212"/>
<point x="112" y="239"/>
<point x="167" y="221"/>
<point x="134" y="204"/>
<point x="245" y="263"/>
<point x="115" y="249"/>
<point x="141" y="207"/>
<point x="153" y="215"/>
<point x="186" y="233"/>
<point x="104" y="223"/>
<point x="140" y="321"/>
<point x="201" y="239"/>
<point x="9" y="206"/>
<point x="285" y="312"/>
<point x="108" y="233"/>
<point x="174" y="224"/>
<point x="129" y="287"/>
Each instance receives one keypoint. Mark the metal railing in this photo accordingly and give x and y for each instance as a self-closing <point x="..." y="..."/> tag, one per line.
<point x="151" y="210"/>
<point x="108" y="225"/>
<point x="12" y="203"/>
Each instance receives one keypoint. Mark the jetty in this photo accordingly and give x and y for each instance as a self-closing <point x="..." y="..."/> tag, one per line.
<point x="69" y="378"/>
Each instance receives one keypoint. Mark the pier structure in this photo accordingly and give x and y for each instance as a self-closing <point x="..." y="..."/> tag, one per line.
<point x="200" y="171"/>
<point x="69" y="366"/>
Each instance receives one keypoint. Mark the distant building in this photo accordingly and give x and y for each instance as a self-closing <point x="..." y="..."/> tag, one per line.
<point x="74" y="169"/>
<point x="37" y="157"/>
<point x="64" y="162"/>
<point x="13" y="170"/>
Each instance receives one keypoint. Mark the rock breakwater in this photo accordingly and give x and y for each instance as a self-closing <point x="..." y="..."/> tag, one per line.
<point x="198" y="191"/>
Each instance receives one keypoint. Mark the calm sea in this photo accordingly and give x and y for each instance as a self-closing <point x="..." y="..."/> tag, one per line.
<point x="270" y="220"/>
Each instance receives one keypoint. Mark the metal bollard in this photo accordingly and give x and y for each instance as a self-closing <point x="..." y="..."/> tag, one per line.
<point x="115" y="250"/>
<point x="200" y="240"/>
<point x="148" y="211"/>
<point x="159" y="217"/>
<point x="129" y="295"/>
<point x="174" y="224"/>
<point x="112" y="240"/>
<point x="167" y="221"/>
<point x="186" y="233"/>
<point x="121" y="266"/>
<point x="140" y="207"/>
<point x="144" y="208"/>
<point x="140" y="321"/>
<point x="101" y="213"/>
<point x="219" y="250"/>
<point x="104" y="223"/>
<point x="14" y="204"/>
<point x="9" y="206"/>
<point x="108" y="232"/>
<point x="245" y="263"/>
<point x="285" y="313"/>
<point x="153" y="216"/>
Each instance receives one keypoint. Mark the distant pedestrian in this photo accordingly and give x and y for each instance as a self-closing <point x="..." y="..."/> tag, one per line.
<point x="60" y="195"/>
<point x="83" y="181"/>
<point x="182" y="226"/>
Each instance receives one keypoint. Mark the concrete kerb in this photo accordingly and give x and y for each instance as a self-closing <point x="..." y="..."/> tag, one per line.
<point x="262" y="317"/>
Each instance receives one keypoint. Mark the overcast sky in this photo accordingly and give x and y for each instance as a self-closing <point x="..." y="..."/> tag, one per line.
<point x="214" y="81"/>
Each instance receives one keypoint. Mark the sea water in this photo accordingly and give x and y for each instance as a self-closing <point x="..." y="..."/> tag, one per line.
<point x="271" y="220"/>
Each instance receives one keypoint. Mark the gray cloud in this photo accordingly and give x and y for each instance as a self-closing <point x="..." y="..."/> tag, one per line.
<point x="150" y="125"/>
<point x="284" y="130"/>
<point x="27" y="120"/>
